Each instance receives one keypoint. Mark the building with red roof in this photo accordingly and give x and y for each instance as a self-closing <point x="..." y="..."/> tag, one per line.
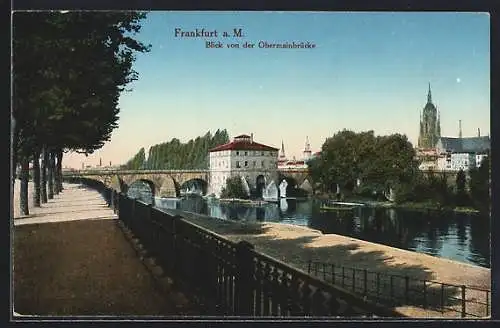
<point x="256" y="163"/>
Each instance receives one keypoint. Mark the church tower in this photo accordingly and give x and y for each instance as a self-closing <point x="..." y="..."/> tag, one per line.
<point x="307" y="149"/>
<point x="430" y="125"/>
<point x="282" y="151"/>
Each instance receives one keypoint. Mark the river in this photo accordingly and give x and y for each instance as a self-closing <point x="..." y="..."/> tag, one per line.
<point x="457" y="236"/>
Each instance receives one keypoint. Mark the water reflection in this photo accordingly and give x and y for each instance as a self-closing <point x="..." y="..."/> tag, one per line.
<point x="460" y="237"/>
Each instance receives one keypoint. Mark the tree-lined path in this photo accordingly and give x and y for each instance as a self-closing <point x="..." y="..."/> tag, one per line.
<point x="71" y="258"/>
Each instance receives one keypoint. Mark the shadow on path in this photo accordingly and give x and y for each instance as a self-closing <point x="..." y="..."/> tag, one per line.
<point x="83" y="268"/>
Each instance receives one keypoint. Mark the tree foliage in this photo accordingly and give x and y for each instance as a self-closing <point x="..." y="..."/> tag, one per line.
<point x="382" y="163"/>
<point x="69" y="70"/>
<point x="234" y="189"/>
<point x="480" y="184"/>
<point x="175" y="155"/>
<point x="379" y="162"/>
<point x="461" y="193"/>
<point x="137" y="162"/>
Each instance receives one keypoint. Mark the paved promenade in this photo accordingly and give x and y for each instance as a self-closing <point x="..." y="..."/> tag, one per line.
<point x="70" y="257"/>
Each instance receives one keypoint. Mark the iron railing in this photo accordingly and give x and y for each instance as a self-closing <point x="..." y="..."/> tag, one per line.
<point x="397" y="290"/>
<point x="229" y="278"/>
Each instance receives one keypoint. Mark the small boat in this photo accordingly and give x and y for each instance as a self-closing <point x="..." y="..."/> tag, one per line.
<point x="336" y="207"/>
<point x="345" y="203"/>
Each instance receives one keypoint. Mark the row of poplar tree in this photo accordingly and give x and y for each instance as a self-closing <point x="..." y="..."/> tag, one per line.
<point x="68" y="72"/>
<point x="177" y="155"/>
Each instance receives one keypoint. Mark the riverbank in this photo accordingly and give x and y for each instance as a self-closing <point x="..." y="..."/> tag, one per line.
<point x="296" y="245"/>
<point x="414" y="206"/>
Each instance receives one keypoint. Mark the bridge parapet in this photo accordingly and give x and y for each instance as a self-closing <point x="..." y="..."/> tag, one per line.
<point x="165" y="182"/>
<point x="124" y="172"/>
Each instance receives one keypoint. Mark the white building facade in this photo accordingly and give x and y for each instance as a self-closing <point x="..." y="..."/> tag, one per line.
<point x="462" y="153"/>
<point x="254" y="162"/>
<point x="479" y="159"/>
<point x="456" y="162"/>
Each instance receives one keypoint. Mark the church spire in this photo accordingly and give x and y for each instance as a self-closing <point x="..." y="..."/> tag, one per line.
<point x="282" y="152"/>
<point x="438" y="125"/>
<point x="429" y="96"/>
<point x="307" y="149"/>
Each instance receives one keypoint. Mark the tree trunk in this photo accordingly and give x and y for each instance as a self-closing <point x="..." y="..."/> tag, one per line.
<point x="55" y="173"/>
<point x="36" y="178"/>
<point x="13" y="150"/>
<point x="59" y="156"/>
<point x="23" y="197"/>
<point x="43" y="180"/>
<point x="50" y="175"/>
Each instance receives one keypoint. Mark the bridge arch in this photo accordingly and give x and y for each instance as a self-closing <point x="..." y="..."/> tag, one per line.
<point x="169" y="187"/>
<point x="192" y="185"/>
<point x="260" y="185"/>
<point x="117" y="183"/>
<point x="145" y="182"/>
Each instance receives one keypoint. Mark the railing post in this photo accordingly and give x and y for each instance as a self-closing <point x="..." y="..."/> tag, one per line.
<point x="425" y="294"/>
<point x="112" y="199"/>
<point x="353" y="280"/>
<point x="116" y="200"/>
<point x="178" y="246"/>
<point x="442" y="298"/>
<point x="343" y="277"/>
<point x="487" y="303"/>
<point x="392" y="287"/>
<point x="407" y="289"/>
<point x="463" y="302"/>
<point x="309" y="263"/>
<point x="378" y="284"/>
<point x="244" y="278"/>
<point x="132" y="218"/>
<point x="365" y="281"/>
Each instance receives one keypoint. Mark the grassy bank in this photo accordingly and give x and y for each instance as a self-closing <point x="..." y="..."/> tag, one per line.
<point x="433" y="207"/>
<point x="415" y="206"/>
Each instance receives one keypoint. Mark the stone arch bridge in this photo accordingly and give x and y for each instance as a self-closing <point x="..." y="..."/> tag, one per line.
<point x="163" y="183"/>
<point x="168" y="183"/>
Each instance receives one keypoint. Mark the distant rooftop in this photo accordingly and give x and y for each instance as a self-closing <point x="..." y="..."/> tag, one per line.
<point x="243" y="142"/>
<point x="464" y="145"/>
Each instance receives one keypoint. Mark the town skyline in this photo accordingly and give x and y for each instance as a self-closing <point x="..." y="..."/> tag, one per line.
<point x="368" y="71"/>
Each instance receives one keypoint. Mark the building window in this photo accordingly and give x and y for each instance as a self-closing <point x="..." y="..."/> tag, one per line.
<point x="254" y="163"/>
<point x="237" y="153"/>
<point x="246" y="153"/>
<point x="238" y="164"/>
<point x="246" y="163"/>
<point x="262" y="153"/>
<point x="262" y="163"/>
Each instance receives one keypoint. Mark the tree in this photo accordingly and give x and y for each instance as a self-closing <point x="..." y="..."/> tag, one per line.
<point x="479" y="185"/>
<point x="380" y="162"/>
<point x="234" y="188"/>
<point x="137" y="162"/>
<point x="61" y="103"/>
<point x="461" y="195"/>
<point x="191" y="155"/>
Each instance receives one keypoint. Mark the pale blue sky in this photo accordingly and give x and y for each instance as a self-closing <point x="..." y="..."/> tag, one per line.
<point x="368" y="71"/>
